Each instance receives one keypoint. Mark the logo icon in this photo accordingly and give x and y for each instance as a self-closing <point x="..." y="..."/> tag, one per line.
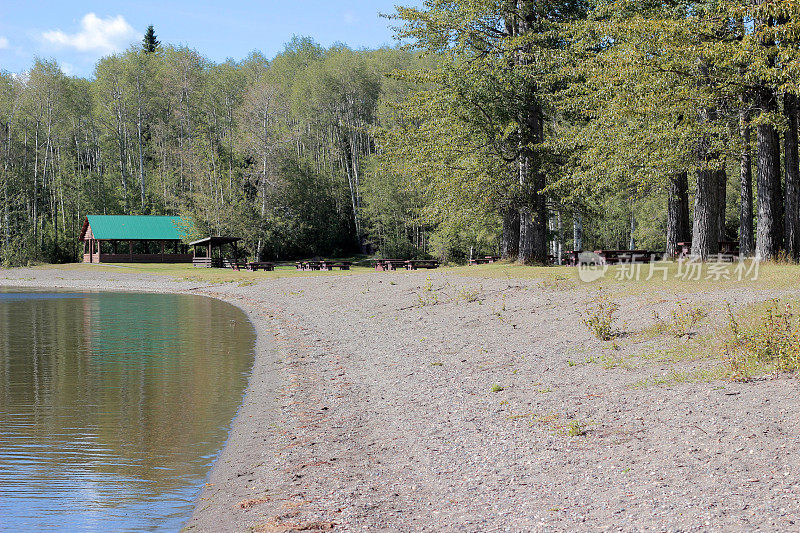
<point x="591" y="267"/>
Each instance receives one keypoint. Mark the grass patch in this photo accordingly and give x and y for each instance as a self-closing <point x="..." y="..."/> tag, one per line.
<point x="766" y="338"/>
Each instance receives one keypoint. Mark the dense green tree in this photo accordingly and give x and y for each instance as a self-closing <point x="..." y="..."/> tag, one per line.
<point x="150" y="42"/>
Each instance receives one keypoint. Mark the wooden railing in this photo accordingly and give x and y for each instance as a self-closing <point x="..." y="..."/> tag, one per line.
<point x="140" y="258"/>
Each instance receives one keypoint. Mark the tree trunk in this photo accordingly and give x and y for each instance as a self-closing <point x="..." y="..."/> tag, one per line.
<point x="577" y="231"/>
<point x="532" y="218"/>
<point x="121" y="139"/>
<point x="632" y="240"/>
<point x="678" y="227"/>
<point x="533" y="213"/>
<point x="769" y="238"/>
<point x="533" y="209"/>
<point x="141" y="157"/>
<point x="509" y="244"/>
<point x="560" y="250"/>
<point x="792" y="164"/>
<point x="722" y="201"/>
<point x="746" y="242"/>
<point x="705" y="236"/>
<point x="705" y="230"/>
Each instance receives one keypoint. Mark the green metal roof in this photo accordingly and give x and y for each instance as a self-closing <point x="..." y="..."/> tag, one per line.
<point x="133" y="227"/>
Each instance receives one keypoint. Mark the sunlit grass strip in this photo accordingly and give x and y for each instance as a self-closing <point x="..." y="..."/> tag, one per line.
<point x="211" y="275"/>
<point x="618" y="281"/>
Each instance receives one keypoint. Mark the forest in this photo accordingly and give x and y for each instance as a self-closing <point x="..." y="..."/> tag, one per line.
<point x="513" y="127"/>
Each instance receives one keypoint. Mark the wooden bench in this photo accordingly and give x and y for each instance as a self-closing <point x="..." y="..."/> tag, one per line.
<point x="260" y="265"/>
<point x="613" y="257"/>
<point x="389" y="264"/>
<point x="414" y="264"/>
<point x="571" y="257"/>
<point x="341" y="265"/>
<point x="728" y="250"/>
<point x="233" y="264"/>
<point x="312" y="265"/>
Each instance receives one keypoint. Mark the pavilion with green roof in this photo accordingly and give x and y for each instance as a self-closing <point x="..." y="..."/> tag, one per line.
<point x="133" y="239"/>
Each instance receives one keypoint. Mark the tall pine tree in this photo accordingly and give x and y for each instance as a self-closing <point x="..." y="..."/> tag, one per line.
<point x="150" y="43"/>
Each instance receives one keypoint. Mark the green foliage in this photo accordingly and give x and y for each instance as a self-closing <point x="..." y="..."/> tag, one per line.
<point x="576" y="428"/>
<point x="600" y="316"/>
<point x="150" y="42"/>
<point x="682" y="322"/>
<point x="277" y="152"/>
<point x="773" y="338"/>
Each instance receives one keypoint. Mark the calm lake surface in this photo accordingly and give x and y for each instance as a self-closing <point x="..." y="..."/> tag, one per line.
<point x="113" y="406"/>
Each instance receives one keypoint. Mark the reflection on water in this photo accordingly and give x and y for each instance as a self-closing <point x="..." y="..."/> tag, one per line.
<point x="113" y="406"/>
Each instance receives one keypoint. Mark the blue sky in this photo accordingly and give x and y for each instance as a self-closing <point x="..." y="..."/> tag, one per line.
<point x="77" y="33"/>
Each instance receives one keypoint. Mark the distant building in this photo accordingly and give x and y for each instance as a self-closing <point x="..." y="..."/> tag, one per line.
<point x="133" y="239"/>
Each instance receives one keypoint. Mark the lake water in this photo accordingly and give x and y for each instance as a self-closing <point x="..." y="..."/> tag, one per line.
<point x="113" y="406"/>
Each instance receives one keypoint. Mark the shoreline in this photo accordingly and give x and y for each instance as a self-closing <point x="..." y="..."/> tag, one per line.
<point x="371" y="405"/>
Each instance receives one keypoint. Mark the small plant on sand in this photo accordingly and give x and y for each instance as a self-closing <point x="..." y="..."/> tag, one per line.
<point x="682" y="321"/>
<point x="772" y="339"/>
<point x="428" y="296"/>
<point x="468" y="294"/>
<point x="576" y="428"/>
<point x="600" y="317"/>
<point x="558" y="283"/>
<point x="497" y="387"/>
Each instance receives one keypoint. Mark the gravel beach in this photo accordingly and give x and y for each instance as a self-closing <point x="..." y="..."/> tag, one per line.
<point x="432" y="401"/>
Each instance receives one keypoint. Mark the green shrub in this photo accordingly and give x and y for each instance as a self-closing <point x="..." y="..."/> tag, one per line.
<point x="682" y="322"/>
<point x="773" y="338"/>
<point x="600" y="316"/>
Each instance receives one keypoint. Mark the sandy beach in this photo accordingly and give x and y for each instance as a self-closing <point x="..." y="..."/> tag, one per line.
<point x="434" y="401"/>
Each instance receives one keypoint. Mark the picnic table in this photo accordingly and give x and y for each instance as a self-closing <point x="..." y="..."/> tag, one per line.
<point x="234" y="264"/>
<point x="413" y="264"/>
<point x="484" y="260"/>
<point x="409" y="264"/>
<point x="612" y="257"/>
<point x="389" y="264"/>
<point x="571" y="257"/>
<point x="260" y="265"/>
<point x="311" y="265"/>
<point x="323" y="264"/>
<point x="330" y="265"/>
<point x="728" y="250"/>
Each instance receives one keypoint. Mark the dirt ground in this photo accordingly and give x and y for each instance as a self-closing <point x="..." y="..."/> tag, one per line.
<point x="434" y="401"/>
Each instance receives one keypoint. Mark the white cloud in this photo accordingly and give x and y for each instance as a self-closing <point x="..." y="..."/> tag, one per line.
<point x="349" y="18"/>
<point x="3" y="42"/>
<point x="96" y="35"/>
